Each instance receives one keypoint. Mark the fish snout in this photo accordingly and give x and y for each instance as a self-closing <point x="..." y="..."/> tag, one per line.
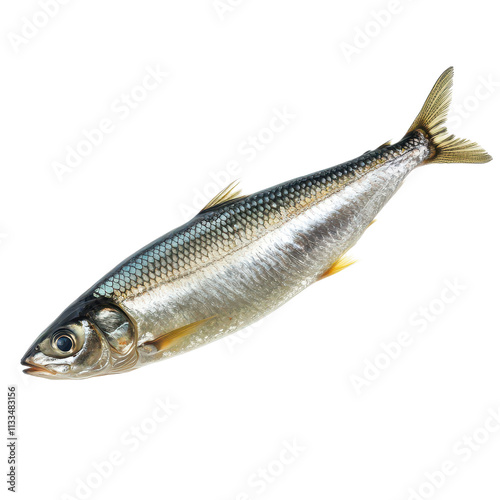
<point x="34" y="368"/>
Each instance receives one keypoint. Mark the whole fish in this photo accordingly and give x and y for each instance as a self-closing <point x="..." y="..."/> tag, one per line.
<point x="240" y="258"/>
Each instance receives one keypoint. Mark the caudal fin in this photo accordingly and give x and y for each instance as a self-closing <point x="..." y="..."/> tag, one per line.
<point x="445" y="147"/>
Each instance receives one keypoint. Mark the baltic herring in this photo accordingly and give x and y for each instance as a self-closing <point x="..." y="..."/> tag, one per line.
<point x="240" y="258"/>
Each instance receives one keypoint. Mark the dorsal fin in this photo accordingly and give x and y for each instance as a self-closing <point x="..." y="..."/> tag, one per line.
<point x="388" y="143"/>
<point x="229" y="193"/>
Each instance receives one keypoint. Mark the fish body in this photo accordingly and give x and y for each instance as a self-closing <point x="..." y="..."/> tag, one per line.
<point x="239" y="259"/>
<point x="238" y="262"/>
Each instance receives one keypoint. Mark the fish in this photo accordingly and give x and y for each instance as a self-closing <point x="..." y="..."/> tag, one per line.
<point x="240" y="258"/>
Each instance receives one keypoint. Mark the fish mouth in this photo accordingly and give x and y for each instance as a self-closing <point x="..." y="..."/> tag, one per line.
<point x="37" y="370"/>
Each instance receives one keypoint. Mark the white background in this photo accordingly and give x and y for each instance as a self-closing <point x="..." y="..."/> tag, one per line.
<point x="291" y="378"/>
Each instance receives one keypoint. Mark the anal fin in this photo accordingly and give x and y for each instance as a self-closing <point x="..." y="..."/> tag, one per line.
<point x="337" y="266"/>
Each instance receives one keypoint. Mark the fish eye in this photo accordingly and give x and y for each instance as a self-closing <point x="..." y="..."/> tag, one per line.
<point x="64" y="342"/>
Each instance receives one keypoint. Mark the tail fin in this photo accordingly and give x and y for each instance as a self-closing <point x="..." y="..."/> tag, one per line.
<point x="445" y="147"/>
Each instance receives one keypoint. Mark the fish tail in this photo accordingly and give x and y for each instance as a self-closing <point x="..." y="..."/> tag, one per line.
<point x="445" y="147"/>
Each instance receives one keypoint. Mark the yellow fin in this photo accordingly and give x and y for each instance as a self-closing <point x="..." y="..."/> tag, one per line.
<point x="337" y="266"/>
<point x="388" y="143"/>
<point x="372" y="222"/>
<point x="445" y="147"/>
<point x="171" y="338"/>
<point x="229" y="193"/>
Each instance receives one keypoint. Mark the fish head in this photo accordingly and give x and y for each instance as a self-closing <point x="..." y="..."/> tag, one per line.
<point x="87" y="340"/>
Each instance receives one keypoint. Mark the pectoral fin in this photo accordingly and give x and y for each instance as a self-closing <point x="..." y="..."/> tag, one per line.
<point x="171" y="338"/>
<point x="337" y="266"/>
